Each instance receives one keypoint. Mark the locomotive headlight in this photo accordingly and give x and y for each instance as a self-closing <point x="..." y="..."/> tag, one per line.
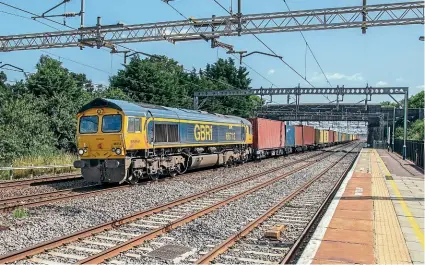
<point x="80" y="151"/>
<point x="113" y="149"/>
<point x="118" y="151"/>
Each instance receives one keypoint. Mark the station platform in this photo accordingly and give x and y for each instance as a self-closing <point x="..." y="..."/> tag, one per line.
<point x="376" y="217"/>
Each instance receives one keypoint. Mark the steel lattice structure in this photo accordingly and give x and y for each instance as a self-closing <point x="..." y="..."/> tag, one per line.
<point x="208" y="28"/>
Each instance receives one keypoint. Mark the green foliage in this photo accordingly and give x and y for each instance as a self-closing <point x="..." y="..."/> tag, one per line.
<point x="415" y="131"/>
<point x="20" y="213"/>
<point x="417" y="101"/>
<point x="24" y="128"/>
<point x="61" y="95"/>
<point x="154" y="81"/>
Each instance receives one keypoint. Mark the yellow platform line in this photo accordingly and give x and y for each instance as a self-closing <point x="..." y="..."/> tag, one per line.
<point x="416" y="229"/>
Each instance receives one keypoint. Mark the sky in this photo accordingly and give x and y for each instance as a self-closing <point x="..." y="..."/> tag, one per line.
<point x="385" y="56"/>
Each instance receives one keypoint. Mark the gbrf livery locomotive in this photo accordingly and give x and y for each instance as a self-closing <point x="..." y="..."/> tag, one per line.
<point x="119" y="141"/>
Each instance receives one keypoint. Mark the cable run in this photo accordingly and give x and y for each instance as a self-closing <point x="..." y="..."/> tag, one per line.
<point x="262" y="42"/>
<point x="231" y="54"/>
<point x="308" y="46"/>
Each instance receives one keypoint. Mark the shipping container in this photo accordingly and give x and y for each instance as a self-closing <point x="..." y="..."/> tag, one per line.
<point x="299" y="135"/>
<point x="325" y="136"/>
<point x="268" y="134"/>
<point x="308" y="135"/>
<point x="290" y="136"/>
<point x="318" y="137"/>
<point x="331" y="136"/>
<point x="339" y="136"/>
<point x="335" y="136"/>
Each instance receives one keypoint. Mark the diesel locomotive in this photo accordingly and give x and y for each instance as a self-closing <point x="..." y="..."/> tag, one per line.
<point x="120" y="141"/>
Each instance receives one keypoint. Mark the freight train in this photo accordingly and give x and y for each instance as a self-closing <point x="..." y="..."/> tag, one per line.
<point x="120" y="141"/>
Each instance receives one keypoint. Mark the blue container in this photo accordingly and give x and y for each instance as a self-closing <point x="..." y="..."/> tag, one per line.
<point x="290" y="136"/>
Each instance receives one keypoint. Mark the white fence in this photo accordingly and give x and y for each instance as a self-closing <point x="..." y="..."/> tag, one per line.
<point x="32" y="168"/>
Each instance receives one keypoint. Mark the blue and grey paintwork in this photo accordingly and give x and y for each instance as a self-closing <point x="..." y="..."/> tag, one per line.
<point x="228" y="123"/>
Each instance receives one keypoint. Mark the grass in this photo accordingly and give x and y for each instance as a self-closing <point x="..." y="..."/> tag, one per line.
<point x="40" y="160"/>
<point x="20" y="213"/>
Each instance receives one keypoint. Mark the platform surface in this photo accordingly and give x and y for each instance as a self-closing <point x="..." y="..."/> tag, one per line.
<point x="376" y="217"/>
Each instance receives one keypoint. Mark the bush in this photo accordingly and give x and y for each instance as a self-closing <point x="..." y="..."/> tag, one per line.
<point x="20" y="213"/>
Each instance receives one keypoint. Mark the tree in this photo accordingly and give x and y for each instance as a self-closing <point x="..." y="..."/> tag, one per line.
<point x="230" y="77"/>
<point x="60" y="94"/>
<point x="155" y="81"/>
<point x="24" y="130"/>
<point x="417" y="101"/>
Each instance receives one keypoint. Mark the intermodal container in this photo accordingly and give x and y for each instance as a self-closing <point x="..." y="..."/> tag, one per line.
<point x="290" y="136"/>
<point x="318" y="136"/>
<point x="325" y="136"/>
<point x="339" y="137"/>
<point x="331" y="136"/>
<point x="308" y="135"/>
<point x="268" y="134"/>
<point x="299" y="133"/>
<point x="335" y="133"/>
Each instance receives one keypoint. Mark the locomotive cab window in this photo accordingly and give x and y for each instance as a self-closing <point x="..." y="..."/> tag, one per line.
<point x="89" y="124"/>
<point x="133" y="125"/>
<point x="111" y="123"/>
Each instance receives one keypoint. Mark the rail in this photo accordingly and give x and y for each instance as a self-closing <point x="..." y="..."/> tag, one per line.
<point x="42" y="247"/>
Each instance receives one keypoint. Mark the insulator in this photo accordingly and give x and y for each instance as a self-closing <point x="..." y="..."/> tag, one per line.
<point x="71" y="14"/>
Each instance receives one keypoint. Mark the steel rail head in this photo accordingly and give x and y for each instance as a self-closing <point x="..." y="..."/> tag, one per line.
<point x="290" y="255"/>
<point x="39" y="248"/>
<point x="207" y="258"/>
<point x="114" y="251"/>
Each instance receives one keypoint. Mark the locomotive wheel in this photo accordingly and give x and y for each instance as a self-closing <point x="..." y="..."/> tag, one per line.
<point x="154" y="176"/>
<point x="133" y="180"/>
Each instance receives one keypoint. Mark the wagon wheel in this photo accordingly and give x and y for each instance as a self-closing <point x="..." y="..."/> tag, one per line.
<point x="230" y="162"/>
<point x="154" y="176"/>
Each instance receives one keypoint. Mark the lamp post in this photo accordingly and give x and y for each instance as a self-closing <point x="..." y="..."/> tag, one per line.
<point x="393" y="128"/>
<point x="406" y="97"/>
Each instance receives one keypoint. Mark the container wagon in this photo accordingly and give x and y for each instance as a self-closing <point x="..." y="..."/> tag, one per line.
<point x="318" y="137"/>
<point x="299" y="138"/>
<point x="308" y="137"/>
<point x="331" y="137"/>
<point x="335" y="133"/>
<point x="325" y="137"/>
<point x="290" y="137"/>
<point x="269" y="137"/>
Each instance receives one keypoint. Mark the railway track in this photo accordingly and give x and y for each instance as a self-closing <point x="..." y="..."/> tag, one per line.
<point x="27" y="201"/>
<point x="38" y="181"/>
<point x="38" y="199"/>
<point x="99" y="243"/>
<point x="297" y="213"/>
